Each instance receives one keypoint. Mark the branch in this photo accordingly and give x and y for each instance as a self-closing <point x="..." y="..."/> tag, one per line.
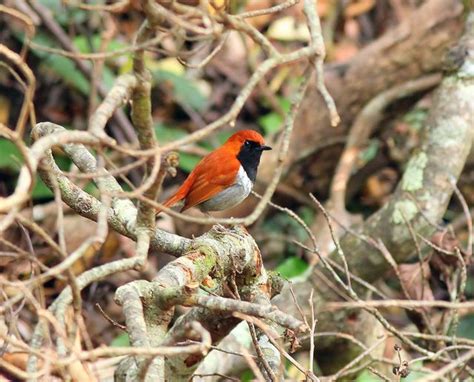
<point x="422" y="39"/>
<point x="212" y="259"/>
<point x="263" y="311"/>
<point x="316" y="34"/>
<point x="123" y="216"/>
<point x="68" y="45"/>
<point x="364" y="124"/>
<point x="215" y="257"/>
<point x="421" y="197"/>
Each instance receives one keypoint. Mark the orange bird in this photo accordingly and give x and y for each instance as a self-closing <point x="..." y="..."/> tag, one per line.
<point x="225" y="177"/>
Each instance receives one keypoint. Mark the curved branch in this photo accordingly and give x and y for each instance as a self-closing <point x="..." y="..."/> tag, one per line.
<point x="122" y="216"/>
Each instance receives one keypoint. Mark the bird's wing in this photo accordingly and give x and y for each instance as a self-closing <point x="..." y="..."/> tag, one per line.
<point x="213" y="174"/>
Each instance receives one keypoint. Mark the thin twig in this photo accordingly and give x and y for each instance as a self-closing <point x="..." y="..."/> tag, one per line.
<point x="468" y="305"/>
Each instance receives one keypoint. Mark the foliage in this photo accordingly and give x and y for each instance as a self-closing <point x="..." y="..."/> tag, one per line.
<point x="292" y="266"/>
<point x="273" y="121"/>
<point x="166" y="134"/>
<point x="11" y="162"/>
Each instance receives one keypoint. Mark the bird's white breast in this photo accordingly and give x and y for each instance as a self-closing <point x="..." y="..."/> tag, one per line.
<point x="231" y="196"/>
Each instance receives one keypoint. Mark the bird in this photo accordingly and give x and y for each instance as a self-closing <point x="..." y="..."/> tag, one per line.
<point x="224" y="177"/>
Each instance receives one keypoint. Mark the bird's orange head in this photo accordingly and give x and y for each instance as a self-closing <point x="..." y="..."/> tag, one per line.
<point x="245" y="139"/>
<point x="246" y="135"/>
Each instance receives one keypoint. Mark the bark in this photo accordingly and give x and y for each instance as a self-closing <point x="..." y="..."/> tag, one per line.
<point x="219" y="260"/>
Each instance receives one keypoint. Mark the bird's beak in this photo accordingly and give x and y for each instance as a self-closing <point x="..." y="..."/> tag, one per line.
<point x="264" y="148"/>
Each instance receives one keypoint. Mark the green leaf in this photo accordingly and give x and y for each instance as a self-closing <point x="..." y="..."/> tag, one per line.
<point x="41" y="191"/>
<point x="63" y="14"/>
<point x="67" y="71"/>
<point x="247" y="376"/>
<point x="54" y="6"/>
<point x="66" y="68"/>
<point x="367" y="376"/>
<point x="223" y="136"/>
<point x="273" y="122"/>
<point x="63" y="67"/>
<point x="307" y="214"/>
<point x="285" y="224"/>
<point x="184" y="90"/>
<point x="63" y="162"/>
<point x="470" y="288"/>
<point x="370" y="152"/>
<point x="292" y="267"/>
<point x="120" y="340"/>
<point x="83" y="44"/>
<point x="108" y="77"/>
<point x="466" y="327"/>
<point x="11" y="160"/>
<point x="166" y="134"/>
<point x="91" y="189"/>
<point x="10" y="157"/>
<point x="187" y="162"/>
<point x="416" y="117"/>
<point x="415" y="373"/>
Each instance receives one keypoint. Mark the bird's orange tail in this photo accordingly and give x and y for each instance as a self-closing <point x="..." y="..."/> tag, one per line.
<point x="179" y="195"/>
<point x="171" y="201"/>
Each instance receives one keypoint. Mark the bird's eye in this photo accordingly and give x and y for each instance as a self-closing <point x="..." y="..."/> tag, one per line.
<point x="247" y="143"/>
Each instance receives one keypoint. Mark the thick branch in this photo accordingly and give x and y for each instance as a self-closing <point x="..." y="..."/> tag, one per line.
<point x="214" y="257"/>
<point x="122" y="217"/>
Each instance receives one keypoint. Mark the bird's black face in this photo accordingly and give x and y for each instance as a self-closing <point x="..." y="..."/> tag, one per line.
<point x="249" y="157"/>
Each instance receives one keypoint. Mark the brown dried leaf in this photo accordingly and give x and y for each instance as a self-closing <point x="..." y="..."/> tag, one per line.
<point x="4" y="110"/>
<point x="379" y="187"/>
<point x="294" y="341"/>
<point x="343" y="51"/>
<point x="259" y="21"/>
<point x="418" y="288"/>
<point x="448" y="242"/>
<point x="288" y="29"/>
<point x="357" y="8"/>
<point x="445" y="263"/>
<point x="77" y="230"/>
